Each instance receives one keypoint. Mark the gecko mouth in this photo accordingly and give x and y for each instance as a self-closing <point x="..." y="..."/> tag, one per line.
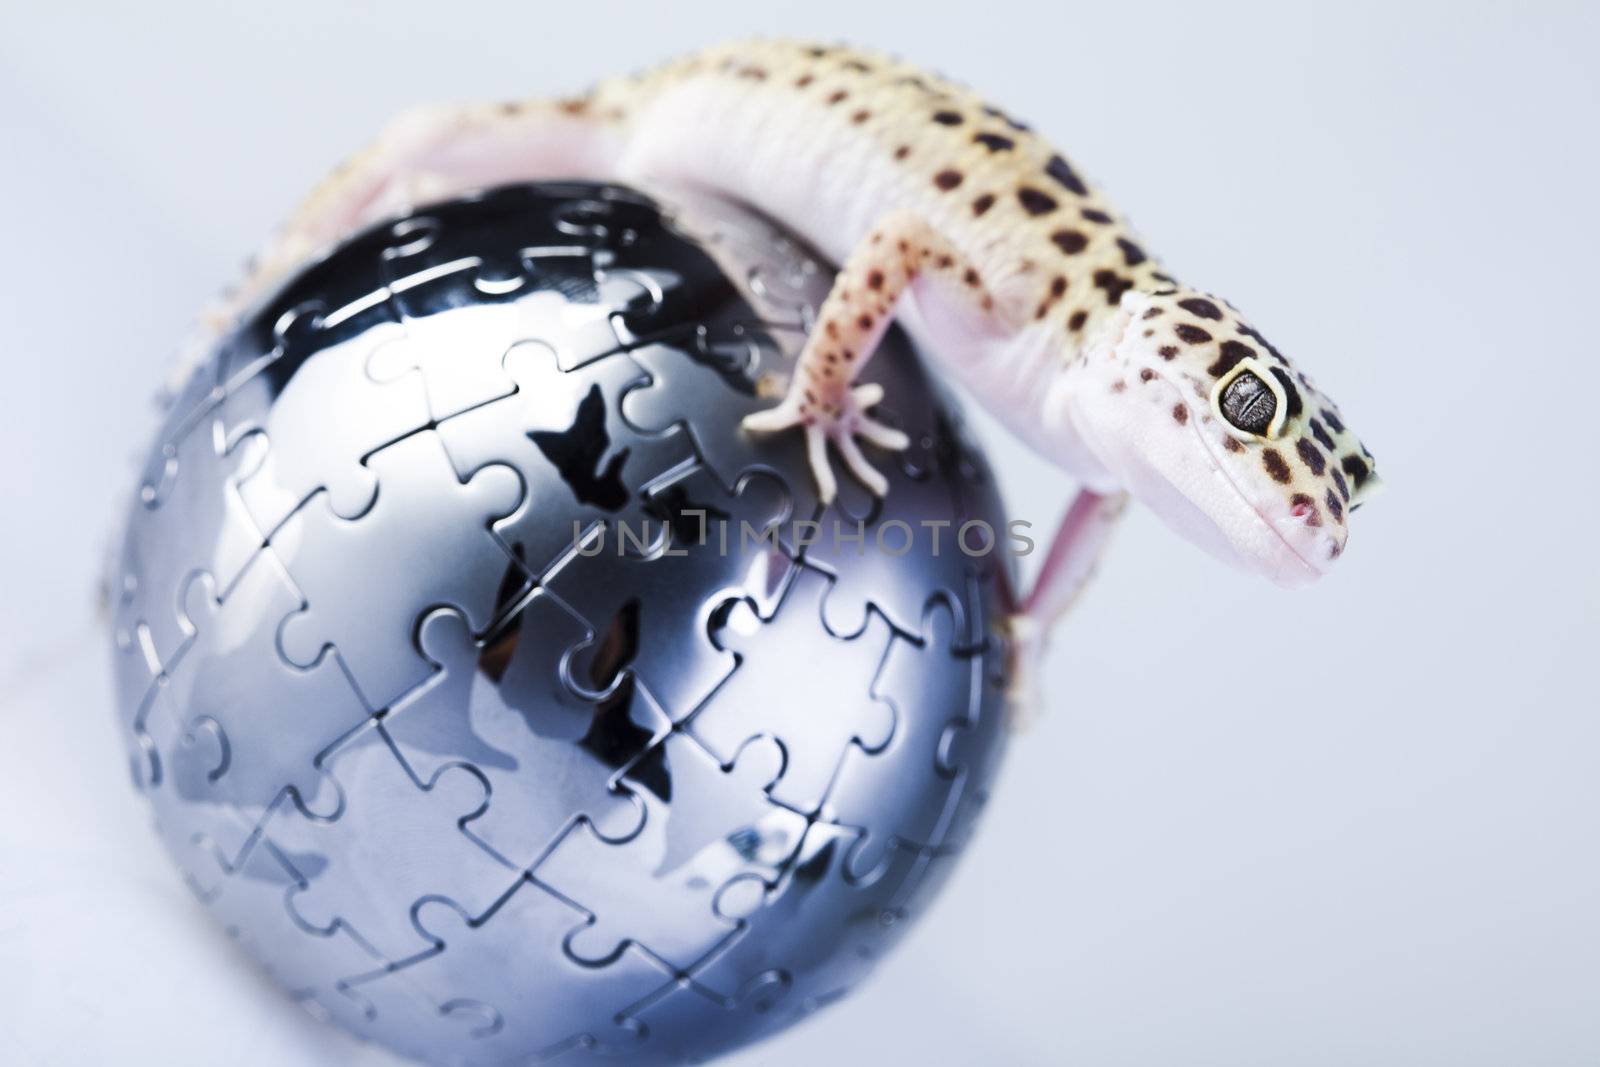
<point x="1248" y="534"/>
<point x="1313" y="561"/>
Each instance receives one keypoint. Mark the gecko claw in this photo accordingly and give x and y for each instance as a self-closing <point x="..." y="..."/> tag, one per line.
<point x="841" y="424"/>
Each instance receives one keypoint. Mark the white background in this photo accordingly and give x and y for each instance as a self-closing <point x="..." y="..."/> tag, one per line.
<point x="1352" y="825"/>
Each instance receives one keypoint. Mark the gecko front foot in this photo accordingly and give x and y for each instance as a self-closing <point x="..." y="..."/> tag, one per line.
<point x="840" y="421"/>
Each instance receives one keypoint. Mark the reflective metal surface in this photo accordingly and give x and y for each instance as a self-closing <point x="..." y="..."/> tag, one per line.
<point x="465" y="767"/>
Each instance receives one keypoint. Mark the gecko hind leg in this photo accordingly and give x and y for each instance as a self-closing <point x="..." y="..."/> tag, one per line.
<point x="1069" y="564"/>
<point x="823" y="398"/>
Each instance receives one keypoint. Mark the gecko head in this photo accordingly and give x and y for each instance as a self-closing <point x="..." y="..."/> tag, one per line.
<point x="1194" y="412"/>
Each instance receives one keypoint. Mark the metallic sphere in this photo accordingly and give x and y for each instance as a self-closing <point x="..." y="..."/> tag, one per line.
<point x="502" y="697"/>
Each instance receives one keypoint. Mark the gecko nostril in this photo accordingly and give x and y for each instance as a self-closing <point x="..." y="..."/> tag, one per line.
<point x="1301" y="511"/>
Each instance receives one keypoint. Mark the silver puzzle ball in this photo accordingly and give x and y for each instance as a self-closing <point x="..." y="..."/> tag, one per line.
<point x="490" y="685"/>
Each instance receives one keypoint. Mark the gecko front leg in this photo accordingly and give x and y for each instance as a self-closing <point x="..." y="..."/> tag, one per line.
<point x="823" y="398"/>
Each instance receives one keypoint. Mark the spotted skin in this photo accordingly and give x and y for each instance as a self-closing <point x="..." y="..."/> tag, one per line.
<point x="1013" y="269"/>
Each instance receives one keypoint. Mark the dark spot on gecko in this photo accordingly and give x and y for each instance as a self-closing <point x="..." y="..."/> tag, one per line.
<point x="1333" y="421"/>
<point x="1092" y="215"/>
<point x="1059" y="169"/>
<point x="865" y="322"/>
<point x="970" y="277"/>
<point x="875" y="279"/>
<point x="1151" y="313"/>
<point x="983" y="203"/>
<point x="1077" y="320"/>
<point x="1180" y="414"/>
<point x="1321" y="435"/>
<point x="1339" y="482"/>
<point x="1255" y="335"/>
<point x="1058" y="286"/>
<point x="1190" y="334"/>
<point x="817" y="51"/>
<point x="861" y="116"/>
<point x="1168" y="351"/>
<point x="1132" y="254"/>
<point x="1113" y="283"/>
<point x="1070" y="241"/>
<point x="857" y="66"/>
<point x="1335" y="508"/>
<point x="947" y="118"/>
<point x="996" y="113"/>
<point x="1160" y="277"/>
<point x="804" y="80"/>
<point x="1232" y="444"/>
<point x="947" y="179"/>
<point x="1357" y="469"/>
<point x="1035" y="202"/>
<point x="1295" y="405"/>
<point x="1275" y="465"/>
<point x="1147" y="375"/>
<point x="1232" y="352"/>
<point x="902" y="152"/>
<point x="836" y="96"/>
<point x="946" y="262"/>
<point x="1205" y="309"/>
<point x="1306" y="509"/>
<point x="1311" y="455"/>
<point x="994" y="142"/>
<point x="753" y="73"/>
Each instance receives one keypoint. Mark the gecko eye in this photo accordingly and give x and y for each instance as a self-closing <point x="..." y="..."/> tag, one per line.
<point x="1248" y="404"/>
<point x="1250" y="400"/>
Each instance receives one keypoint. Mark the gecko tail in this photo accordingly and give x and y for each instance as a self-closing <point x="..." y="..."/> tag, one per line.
<point x="437" y="152"/>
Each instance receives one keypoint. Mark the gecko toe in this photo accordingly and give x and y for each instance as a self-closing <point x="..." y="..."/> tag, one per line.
<point x="772" y="420"/>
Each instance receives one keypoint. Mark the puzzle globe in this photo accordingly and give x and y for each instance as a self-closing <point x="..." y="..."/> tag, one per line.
<point x="499" y="695"/>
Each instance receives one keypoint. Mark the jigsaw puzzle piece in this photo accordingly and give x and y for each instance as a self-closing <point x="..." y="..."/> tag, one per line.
<point x="671" y="880"/>
<point x="974" y="754"/>
<point x="385" y="1006"/>
<point x="181" y="413"/>
<point x="672" y="915"/>
<point x="394" y="842"/>
<point x="820" y="929"/>
<point x="713" y="546"/>
<point x="928" y="521"/>
<point x="775" y="690"/>
<point x="701" y="386"/>
<point x="932" y="690"/>
<point x="251" y="894"/>
<point x="562" y="433"/>
<point x="717" y="819"/>
<point x="321" y="411"/>
<point x="537" y="784"/>
<point x="196" y="521"/>
<point x="346" y="568"/>
<point x="173" y="760"/>
<point x="459" y="348"/>
<point x="674" y="1023"/>
<point x="269" y="720"/>
<point x="511" y="960"/>
<point x="431" y="725"/>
